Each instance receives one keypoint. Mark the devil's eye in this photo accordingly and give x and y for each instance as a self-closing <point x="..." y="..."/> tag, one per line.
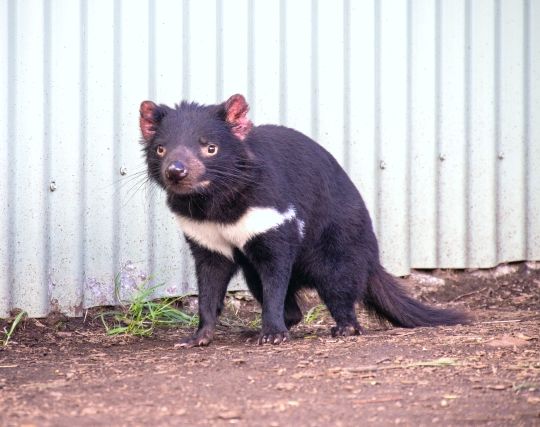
<point x="160" y="150"/>
<point x="212" y="149"/>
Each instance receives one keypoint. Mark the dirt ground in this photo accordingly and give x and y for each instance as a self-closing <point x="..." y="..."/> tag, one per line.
<point x="65" y="372"/>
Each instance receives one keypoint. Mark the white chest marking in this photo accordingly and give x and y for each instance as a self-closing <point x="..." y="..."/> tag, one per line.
<point x="224" y="238"/>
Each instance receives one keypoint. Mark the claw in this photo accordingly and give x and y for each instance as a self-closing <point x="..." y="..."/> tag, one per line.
<point x="346" y="330"/>
<point x="276" y="338"/>
<point x="197" y="340"/>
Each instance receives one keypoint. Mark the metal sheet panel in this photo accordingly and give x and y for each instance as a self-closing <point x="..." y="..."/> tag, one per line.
<point x="433" y="108"/>
<point x="479" y="134"/>
<point x="6" y="117"/>
<point x="28" y="153"/>
<point x="422" y="132"/>
<point x="391" y="115"/>
<point x="62" y="115"/>
<point x="532" y="125"/>
<point x="511" y="172"/>
<point x="450" y="133"/>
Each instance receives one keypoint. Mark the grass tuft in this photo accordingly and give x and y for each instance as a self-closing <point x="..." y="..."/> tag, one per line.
<point x="314" y="314"/>
<point x="8" y="333"/>
<point x="256" y="322"/>
<point x="142" y="316"/>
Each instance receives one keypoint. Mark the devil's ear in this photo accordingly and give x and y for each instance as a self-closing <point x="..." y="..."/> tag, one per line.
<point x="151" y="116"/>
<point x="236" y="109"/>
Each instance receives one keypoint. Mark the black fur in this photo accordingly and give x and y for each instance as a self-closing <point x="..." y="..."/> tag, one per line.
<point x="273" y="166"/>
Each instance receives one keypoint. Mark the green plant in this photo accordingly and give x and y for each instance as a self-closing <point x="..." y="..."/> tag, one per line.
<point x="256" y="322"/>
<point x="314" y="313"/>
<point x="142" y="316"/>
<point x="8" y="333"/>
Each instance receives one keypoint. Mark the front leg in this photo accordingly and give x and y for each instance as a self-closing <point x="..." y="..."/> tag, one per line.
<point x="214" y="272"/>
<point x="272" y="258"/>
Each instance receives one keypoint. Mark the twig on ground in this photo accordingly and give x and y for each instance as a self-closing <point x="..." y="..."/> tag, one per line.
<point x="442" y="362"/>
<point x="501" y="321"/>
<point x="468" y="294"/>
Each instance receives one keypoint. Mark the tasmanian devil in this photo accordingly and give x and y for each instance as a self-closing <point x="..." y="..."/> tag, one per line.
<point x="274" y="203"/>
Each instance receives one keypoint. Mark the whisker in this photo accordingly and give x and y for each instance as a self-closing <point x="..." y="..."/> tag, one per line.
<point x="235" y="176"/>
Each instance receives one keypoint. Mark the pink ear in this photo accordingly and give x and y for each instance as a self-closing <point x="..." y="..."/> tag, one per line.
<point x="236" y="109"/>
<point x="147" y="120"/>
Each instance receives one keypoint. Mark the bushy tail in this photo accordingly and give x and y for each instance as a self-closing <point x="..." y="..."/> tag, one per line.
<point x="387" y="299"/>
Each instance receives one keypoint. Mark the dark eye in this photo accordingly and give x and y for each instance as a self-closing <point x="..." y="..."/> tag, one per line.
<point x="212" y="149"/>
<point x="160" y="150"/>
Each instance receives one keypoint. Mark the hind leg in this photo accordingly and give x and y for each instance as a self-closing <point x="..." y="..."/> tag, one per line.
<point x="292" y="313"/>
<point x="340" y="285"/>
<point x="341" y="304"/>
<point x="338" y="270"/>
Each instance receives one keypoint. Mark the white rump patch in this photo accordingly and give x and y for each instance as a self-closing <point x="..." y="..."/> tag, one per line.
<point x="224" y="238"/>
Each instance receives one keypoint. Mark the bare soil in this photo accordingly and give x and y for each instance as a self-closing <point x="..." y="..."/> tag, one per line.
<point x="65" y="372"/>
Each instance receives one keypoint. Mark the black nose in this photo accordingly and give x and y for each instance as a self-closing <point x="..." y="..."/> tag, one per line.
<point x="176" y="172"/>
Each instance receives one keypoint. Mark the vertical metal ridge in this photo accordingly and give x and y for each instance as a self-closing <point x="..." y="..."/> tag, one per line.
<point x="219" y="50"/>
<point x="527" y="161"/>
<point x="47" y="147"/>
<point x="151" y="225"/>
<point x="438" y="119"/>
<point x="251" y="59"/>
<point x="11" y="133"/>
<point x="347" y="85"/>
<point x="314" y="69"/>
<point x="408" y="130"/>
<point x="83" y="139"/>
<point x="186" y="70"/>
<point x="377" y="112"/>
<point x="467" y="130"/>
<point x="152" y="48"/>
<point x="282" y="62"/>
<point x="186" y="78"/>
<point x="497" y="127"/>
<point x="117" y="115"/>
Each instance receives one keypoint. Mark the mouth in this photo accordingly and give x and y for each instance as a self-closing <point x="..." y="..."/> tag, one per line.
<point x="186" y="188"/>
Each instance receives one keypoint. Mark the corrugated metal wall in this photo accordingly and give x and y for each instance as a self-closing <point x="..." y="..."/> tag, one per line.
<point x="433" y="107"/>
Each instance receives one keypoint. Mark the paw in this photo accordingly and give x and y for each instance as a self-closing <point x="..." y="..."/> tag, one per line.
<point x="346" y="330"/>
<point x="200" y="339"/>
<point x="273" y="338"/>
